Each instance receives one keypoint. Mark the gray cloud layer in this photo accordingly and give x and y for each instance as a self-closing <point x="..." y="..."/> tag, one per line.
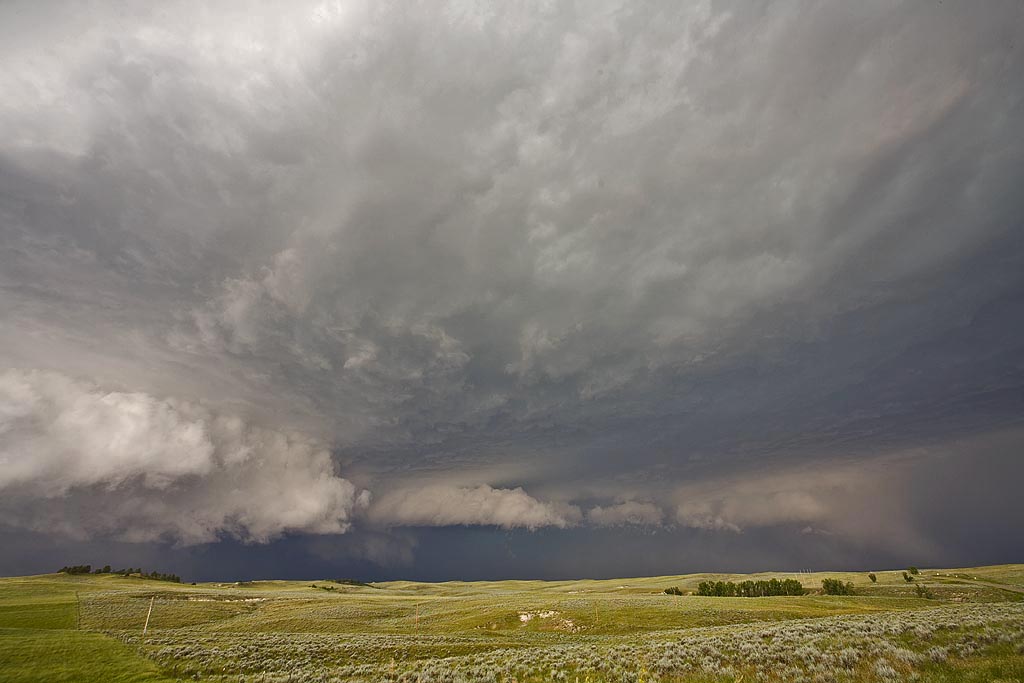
<point x="616" y="265"/>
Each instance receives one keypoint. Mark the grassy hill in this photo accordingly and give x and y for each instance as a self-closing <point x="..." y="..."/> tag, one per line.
<point x="59" y="627"/>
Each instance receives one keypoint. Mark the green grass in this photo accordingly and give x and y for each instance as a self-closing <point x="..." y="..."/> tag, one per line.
<point x="39" y="640"/>
<point x="1007" y="576"/>
<point x="87" y="627"/>
<point x="999" y="665"/>
<point x="54" y="656"/>
<point x="38" y="615"/>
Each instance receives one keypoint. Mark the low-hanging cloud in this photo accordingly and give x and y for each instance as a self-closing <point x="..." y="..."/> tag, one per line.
<point x="829" y="497"/>
<point x="629" y="512"/>
<point x="749" y="505"/>
<point x="796" y="495"/>
<point x="482" y="505"/>
<point x="125" y="464"/>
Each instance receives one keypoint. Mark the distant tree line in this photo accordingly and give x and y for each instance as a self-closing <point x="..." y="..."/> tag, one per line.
<point x="174" y="578"/>
<point x="78" y="569"/>
<point x="750" y="589"/>
<point x="87" y="569"/>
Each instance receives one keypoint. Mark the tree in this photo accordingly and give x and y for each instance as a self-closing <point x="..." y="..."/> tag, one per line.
<point x="750" y="589"/>
<point x="874" y="579"/>
<point x="907" y="577"/>
<point x="674" y="590"/>
<point x="836" y="587"/>
<point x="922" y="591"/>
<point x="914" y="571"/>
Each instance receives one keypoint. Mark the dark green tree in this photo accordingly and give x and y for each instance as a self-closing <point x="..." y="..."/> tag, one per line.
<point x="836" y="587"/>
<point x="750" y="589"/>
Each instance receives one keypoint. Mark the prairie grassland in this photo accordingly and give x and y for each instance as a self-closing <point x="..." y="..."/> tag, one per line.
<point x="972" y="628"/>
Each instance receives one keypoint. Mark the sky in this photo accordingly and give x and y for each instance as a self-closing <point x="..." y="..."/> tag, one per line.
<point x="454" y="290"/>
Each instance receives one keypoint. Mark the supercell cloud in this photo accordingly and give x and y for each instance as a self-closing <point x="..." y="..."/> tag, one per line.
<point x="335" y="273"/>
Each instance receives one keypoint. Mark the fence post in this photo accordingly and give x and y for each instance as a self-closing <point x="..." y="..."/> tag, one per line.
<point x="146" y="627"/>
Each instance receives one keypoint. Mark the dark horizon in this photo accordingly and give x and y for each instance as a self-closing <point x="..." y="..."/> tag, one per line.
<point x="288" y="559"/>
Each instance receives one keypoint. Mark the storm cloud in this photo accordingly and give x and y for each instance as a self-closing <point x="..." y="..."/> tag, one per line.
<point x="351" y="270"/>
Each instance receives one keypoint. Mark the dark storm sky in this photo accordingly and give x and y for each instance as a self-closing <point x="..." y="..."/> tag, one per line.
<point x="444" y="290"/>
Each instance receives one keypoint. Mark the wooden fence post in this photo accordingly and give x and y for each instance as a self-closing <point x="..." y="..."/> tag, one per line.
<point x="146" y="627"/>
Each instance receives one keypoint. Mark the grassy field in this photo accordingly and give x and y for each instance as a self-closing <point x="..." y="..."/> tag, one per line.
<point x="89" y="628"/>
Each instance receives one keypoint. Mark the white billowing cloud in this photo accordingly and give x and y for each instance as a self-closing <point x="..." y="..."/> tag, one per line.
<point x="58" y="434"/>
<point x="439" y="505"/>
<point x="139" y="467"/>
<point x="628" y="512"/>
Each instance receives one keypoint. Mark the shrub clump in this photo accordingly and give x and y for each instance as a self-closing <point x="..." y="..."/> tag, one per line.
<point x="836" y="587"/>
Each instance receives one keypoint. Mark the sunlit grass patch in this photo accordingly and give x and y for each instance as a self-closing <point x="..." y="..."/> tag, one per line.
<point x="49" y="656"/>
